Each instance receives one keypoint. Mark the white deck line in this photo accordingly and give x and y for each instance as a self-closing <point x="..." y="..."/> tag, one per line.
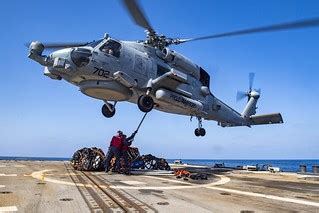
<point x="213" y="186"/>
<point x="7" y="175"/>
<point x="2" y="186"/>
<point x="8" y="209"/>
<point x="19" y="166"/>
<point x="271" y="197"/>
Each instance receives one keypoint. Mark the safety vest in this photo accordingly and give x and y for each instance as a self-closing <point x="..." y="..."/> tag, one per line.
<point x="117" y="142"/>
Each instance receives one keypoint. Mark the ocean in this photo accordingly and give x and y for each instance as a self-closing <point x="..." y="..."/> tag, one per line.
<point x="284" y="165"/>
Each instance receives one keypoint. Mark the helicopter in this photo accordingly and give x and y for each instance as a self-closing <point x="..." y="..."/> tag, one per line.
<point x="150" y="74"/>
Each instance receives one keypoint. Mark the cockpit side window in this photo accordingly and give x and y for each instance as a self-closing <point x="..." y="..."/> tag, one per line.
<point x="204" y="77"/>
<point x="111" y="47"/>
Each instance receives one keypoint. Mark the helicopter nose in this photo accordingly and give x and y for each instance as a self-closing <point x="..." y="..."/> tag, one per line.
<point x="61" y="58"/>
<point x="63" y="53"/>
<point x="81" y="56"/>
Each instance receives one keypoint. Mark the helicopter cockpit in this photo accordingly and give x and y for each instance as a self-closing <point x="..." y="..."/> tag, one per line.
<point x="81" y="56"/>
<point x="112" y="48"/>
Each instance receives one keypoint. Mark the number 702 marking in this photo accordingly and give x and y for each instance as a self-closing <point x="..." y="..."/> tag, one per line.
<point x="101" y="72"/>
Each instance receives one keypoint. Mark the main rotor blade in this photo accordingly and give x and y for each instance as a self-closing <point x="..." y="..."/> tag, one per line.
<point x="57" y="45"/>
<point x="137" y="14"/>
<point x="251" y="80"/>
<point x="240" y="95"/>
<point x="306" y="23"/>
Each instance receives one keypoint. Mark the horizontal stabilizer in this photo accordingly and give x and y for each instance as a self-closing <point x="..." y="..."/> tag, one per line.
<point x="274" y="118"/>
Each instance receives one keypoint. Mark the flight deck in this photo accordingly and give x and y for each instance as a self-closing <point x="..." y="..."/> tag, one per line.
<point x="54" y="186"/>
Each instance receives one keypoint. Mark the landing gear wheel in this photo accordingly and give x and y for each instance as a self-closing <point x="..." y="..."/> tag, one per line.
<point x="145" y="103"/>
<point x="197" y="132"/>
<point x="107" y="112"/>
<point x="202" y="132"/>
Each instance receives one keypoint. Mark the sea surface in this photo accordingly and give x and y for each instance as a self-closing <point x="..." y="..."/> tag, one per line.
<point x="284" y="165"/>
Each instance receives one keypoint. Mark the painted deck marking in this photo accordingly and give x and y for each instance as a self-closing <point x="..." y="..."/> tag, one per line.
<point x="2" y="186"/>
<point x="19" y="166"/>
<point x="213" y="186"/>
<point x="8" y="209"/>
<point x="7" y="175"/>
<point x="271" y="197"/>
<point x="223" y="180"/>
<point x="132" y="182"/>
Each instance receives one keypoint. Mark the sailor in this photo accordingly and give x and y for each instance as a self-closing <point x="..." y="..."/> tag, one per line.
<point x="114" y="150"/>
<point x="127" y="141"/>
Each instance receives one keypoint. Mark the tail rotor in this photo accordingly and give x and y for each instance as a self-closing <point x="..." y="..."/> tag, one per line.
<point x="251" y="92"/>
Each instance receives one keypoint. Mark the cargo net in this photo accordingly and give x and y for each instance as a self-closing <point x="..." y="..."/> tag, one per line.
<point x="92" y="159"/>
<point x="150" y="162"/>
<point x="88" y="159"/>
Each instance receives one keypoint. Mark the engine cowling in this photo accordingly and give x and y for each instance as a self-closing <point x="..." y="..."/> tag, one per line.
<point x="181" y="62"/>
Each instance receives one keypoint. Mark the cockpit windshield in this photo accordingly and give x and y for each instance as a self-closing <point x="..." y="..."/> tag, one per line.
<point x="81" y="56"/>
<point x="111" y="47"/>
<point x="94" y="43"/>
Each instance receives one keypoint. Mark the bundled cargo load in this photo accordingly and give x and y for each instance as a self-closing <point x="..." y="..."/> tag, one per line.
<point x="92" y="159"/>
<point x="88" y="159"/>
<point x="150" y="162"/>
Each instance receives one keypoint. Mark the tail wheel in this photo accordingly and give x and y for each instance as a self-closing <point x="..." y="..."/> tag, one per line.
<point x="145" y="103"/>
<point x="107" y="112"/>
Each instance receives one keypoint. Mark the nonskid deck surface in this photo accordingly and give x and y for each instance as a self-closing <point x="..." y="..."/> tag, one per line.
<point x="48" y="186"/>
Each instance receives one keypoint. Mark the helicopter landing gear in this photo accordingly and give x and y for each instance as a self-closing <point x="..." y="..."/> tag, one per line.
<point x="108" y="109"/>
<point x="145" y="103"/>
<point x="200" y="131"/>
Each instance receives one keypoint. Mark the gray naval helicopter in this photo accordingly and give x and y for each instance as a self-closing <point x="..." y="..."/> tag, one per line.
<point x="151" y="75"/>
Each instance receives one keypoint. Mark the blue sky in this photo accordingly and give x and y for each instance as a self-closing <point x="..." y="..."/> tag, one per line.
<point x="42" y="117"/>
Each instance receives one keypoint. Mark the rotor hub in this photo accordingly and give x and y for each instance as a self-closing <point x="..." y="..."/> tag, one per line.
<point x="254" y="94"/>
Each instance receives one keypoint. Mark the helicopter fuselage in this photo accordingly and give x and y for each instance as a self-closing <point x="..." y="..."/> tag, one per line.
<point x="151" y="75"/>
<point x="112" y="70"/>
